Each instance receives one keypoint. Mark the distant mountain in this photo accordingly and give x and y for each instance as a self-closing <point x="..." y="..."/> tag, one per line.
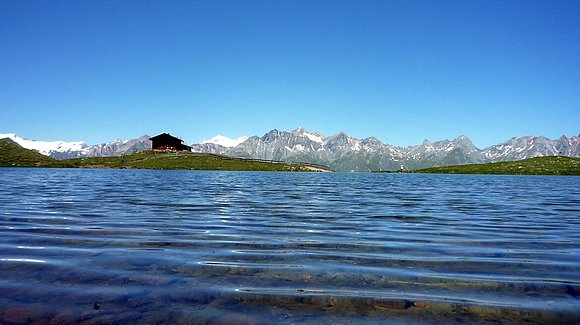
<point x="218" y="145"/>
<point x="65" y="150"/>
<point x="209" y="148"/>
<point x="119" y="148"/>
<point x="345" y="153"/>
<point x="531" y="147"/>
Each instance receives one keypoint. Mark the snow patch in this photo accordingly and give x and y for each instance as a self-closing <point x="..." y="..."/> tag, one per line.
<point x="315" y="138"/>
<point x="312" y="136"/>
<point x="225" y="141"/>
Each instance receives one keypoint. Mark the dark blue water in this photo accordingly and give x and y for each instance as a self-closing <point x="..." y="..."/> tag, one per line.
<point x="200" y="247"/>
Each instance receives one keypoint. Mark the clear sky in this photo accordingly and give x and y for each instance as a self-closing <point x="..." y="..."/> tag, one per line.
<point x="401" y="71"/>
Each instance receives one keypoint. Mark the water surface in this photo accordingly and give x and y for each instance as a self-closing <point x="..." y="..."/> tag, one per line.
<point x="202" y="247"/>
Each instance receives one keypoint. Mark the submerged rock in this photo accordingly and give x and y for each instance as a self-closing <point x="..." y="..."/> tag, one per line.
<point x="392" y="304"/>
<point x="421" y="304"/>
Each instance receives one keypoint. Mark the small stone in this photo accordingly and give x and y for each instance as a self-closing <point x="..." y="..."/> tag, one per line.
<point x="421" y="304"/>
<point x="392" y="304"/>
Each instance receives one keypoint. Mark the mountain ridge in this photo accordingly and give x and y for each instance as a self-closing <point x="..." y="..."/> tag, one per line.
<point x="345" y="153"/>
<point x="79" y="149"/>
<point x="340" y="151"/>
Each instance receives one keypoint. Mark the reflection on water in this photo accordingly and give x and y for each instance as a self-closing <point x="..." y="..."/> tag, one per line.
<point x="137" y="246"/>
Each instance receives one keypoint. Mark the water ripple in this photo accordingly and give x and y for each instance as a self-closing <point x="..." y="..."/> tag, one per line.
<point x="136" y="246"/>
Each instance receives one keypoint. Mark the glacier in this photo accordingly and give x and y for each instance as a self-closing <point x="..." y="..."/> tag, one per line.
<point x="46" y="147"/>
<point x="225" y="141"/>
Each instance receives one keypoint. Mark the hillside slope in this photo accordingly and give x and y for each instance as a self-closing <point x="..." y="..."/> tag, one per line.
<point x="532" y="166"/>
<point x="13" y="155"/>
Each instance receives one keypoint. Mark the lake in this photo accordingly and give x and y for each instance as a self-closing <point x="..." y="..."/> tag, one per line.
<point x="209" y="247"/>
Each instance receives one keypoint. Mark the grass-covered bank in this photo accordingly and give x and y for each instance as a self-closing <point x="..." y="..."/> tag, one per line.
<point x="532" y="166"/>
<point x="13" y="155"/>
<point x="184" y="160"/>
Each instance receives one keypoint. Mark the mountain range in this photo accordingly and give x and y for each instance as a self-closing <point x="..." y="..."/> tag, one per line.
<point x="340" y="152"/>
<point x="78" y="149"/>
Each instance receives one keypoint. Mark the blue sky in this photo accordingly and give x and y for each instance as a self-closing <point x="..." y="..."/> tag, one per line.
<point x="401" y="71"/>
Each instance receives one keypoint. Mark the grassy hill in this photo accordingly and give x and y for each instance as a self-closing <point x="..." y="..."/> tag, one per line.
<point x="532" y="166"/>
<point x="182" y="160"/>
<point x="13" y="155"/>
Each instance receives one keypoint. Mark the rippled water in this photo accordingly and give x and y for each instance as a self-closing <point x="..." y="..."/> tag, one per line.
<point x="140" y="246"/>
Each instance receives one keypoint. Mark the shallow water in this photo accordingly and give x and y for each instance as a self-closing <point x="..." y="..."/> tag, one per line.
<point x="201" y="247"/>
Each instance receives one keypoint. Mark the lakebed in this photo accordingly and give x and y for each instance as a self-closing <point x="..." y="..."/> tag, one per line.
<point x="214" y="247"/>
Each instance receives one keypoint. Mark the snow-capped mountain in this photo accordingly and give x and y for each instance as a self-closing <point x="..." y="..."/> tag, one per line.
<point x="77" y="149"/>
<point x="119" y="147"/>
<point x="345" y="153"/>
<point x="209" y="148"/>
<point x="530" y="147"/>
<point x="218" y="145"/>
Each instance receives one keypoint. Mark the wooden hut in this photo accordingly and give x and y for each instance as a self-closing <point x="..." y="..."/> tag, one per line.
<point x="167" y="142"/>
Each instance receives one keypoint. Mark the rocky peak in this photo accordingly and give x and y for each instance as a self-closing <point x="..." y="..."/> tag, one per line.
<point x="465" y="143"/>
<point x="272" y="136"/>
<point x="372" y="141"/>
<point x="299" y="130"/>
